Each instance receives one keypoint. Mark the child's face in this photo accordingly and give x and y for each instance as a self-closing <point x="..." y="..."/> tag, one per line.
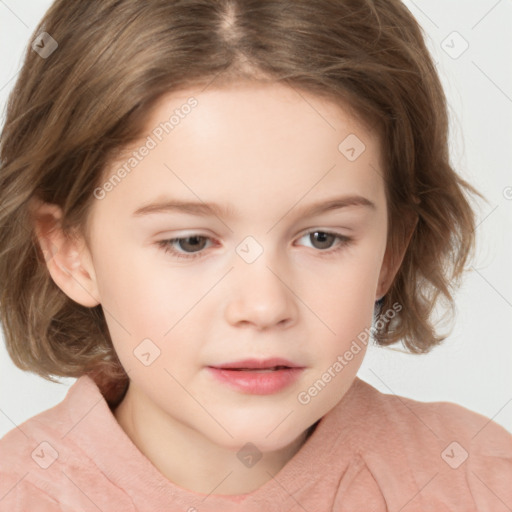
<point x="259" y="287"/>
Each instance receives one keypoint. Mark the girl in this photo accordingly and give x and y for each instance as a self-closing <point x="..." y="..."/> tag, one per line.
<point x="208" y="209"/>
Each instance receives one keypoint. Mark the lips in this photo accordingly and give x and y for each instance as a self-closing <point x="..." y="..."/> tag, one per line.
<point x="257" y="376"/>
<point x="271" y="364"/>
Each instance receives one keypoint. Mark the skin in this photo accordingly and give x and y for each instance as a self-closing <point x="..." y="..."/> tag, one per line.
<point x="268" y="152"/>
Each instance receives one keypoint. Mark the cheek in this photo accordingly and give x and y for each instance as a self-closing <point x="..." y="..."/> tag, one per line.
<point x="348" y="282"/>
<point x="343" y="296"/>
<point x="132" y="299"/>
<point x="149" y="308"/>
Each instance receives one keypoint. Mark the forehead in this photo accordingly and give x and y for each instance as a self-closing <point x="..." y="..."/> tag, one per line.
<point x="249" y="144"/>
<point x="259" y="103"/>
<point x="253" y="113"/>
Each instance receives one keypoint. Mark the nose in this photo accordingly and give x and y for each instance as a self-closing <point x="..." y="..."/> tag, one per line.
<point x="261" y="295"/>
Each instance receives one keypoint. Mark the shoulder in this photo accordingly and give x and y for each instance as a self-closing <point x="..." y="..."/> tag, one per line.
<point x="453" y="454"/>
<point x="440" y="421"/>
<point x="32" y="443"/>
<point x="39" y="458"/>
<point x="35" y="441"/>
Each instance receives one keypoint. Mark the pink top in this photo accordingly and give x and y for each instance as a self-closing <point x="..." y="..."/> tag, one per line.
<point x="373" y="452"/>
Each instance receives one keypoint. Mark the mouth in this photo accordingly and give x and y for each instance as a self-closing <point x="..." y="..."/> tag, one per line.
<point x="260" y="370"/>
<point x="258" y="377"/>
<point x="258" y="365"/>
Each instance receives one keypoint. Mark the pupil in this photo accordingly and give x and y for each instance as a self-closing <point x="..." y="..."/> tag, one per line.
<point x="194" y="244"/>
<point x="322" y="237"/>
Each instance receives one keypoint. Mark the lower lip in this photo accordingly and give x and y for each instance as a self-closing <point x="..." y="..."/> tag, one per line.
<point x="257" y="382"/>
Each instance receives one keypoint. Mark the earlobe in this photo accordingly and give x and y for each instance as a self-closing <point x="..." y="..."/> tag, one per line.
<point x="66" y="259"/>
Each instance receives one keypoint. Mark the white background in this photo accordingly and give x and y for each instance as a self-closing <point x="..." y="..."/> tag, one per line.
<point x="473" y="366"/>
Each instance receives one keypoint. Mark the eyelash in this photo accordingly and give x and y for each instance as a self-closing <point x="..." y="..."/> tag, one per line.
<point x="166" y="245"/>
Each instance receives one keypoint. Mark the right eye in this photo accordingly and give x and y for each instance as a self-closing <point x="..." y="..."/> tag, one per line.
<point x="194" y="242"/>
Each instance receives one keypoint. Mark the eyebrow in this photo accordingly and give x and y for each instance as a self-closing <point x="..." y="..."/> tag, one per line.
<point x="208" y="209"/>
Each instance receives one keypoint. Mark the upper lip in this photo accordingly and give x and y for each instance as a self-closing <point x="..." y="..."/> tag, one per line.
<point x="257" y="364"/>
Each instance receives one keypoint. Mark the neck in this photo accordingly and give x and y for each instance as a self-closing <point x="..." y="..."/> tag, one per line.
<point x="189" y="459"/>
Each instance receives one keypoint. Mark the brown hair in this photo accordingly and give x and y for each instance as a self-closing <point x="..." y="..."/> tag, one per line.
<point x="70" y="112"/>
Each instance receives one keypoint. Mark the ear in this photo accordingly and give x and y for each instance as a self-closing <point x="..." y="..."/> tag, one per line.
<point x="393" y="257"/>
<point x="68" y="259"/>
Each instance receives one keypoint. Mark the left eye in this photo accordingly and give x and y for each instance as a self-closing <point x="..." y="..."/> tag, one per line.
<point x="192" y="246"/>
<point x="324" y="238"/>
